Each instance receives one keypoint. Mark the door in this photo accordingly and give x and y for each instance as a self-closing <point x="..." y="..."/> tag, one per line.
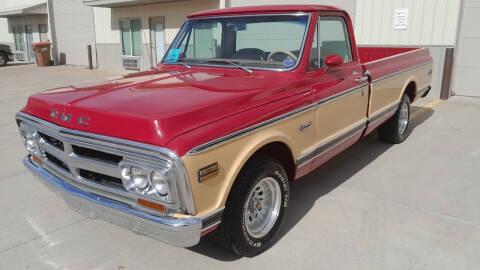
<point x="341" y="94"/>
<point x="467" y="60"/>
<point x="157" y="34"/>
<point x="30" y="52"/>
<point x="19" y="38"/>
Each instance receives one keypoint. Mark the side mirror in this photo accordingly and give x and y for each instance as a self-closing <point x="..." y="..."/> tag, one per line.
<point x="333" y="60"/>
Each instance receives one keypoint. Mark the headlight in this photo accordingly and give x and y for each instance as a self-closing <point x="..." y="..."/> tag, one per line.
<point x="150" y="182"/>
<point x="30" y="140"/>
<point x="160" y="184"/>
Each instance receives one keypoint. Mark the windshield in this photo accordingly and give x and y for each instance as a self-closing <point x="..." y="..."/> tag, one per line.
<point x="265" y="41"/>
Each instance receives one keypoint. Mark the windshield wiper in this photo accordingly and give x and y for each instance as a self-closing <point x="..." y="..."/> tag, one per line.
<point x="249" y="71"/>
<point x="182" y="62"/>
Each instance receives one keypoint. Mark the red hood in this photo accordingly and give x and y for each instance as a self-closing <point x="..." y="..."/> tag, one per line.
<point x="156" y="106"/>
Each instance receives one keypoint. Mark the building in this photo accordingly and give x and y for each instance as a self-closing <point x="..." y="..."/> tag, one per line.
<point x="23" y="22"/>
<point x="134" y="34"/>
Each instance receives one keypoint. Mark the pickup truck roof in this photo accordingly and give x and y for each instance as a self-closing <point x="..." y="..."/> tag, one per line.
<point x="263" y="9"/>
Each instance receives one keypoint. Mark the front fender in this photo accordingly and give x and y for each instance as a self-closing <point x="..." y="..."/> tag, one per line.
<point x="232" y="155"/>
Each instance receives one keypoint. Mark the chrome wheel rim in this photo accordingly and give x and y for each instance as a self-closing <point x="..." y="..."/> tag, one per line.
<point x="262" y="207"/>
<point x="2" y="60"/>
<point x="403" y="118"/>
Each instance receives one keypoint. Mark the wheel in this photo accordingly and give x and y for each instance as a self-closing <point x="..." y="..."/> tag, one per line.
<point x="397" y="128"/>
<point x="255" y="209"/>
<point x="3" y="59"/>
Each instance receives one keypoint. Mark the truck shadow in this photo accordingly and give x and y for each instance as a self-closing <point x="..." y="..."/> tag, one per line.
<point x="307" y="190"/>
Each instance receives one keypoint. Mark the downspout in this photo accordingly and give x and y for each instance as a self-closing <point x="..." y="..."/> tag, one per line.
<point x="451" y="91"/>
<point x="53" y="32"/>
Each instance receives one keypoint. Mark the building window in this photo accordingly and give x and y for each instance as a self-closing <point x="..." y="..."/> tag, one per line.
<point x="18" y="37"/>
<point x="42" y="31"/>
<point x="131" y="37"/>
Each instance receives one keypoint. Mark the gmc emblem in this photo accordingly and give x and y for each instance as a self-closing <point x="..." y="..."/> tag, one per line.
<point x="81" y="120"/>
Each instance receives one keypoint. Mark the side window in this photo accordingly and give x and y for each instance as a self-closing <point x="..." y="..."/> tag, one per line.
<point x="334" y="39"/>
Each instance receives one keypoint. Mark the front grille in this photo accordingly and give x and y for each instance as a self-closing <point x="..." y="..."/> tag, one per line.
<point x="96" y="155"/>
<point x="80" y="160"/>
<point x="92" y="162"/>
<point x="56" y="161"/>
<point x="52" y="141"/>
<point x="101" y="178"/>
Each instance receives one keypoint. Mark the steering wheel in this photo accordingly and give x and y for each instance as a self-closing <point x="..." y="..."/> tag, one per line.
<point x="291" y="55"/>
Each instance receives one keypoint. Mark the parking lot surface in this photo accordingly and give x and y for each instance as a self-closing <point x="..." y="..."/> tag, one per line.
<point x="375" y="206"/>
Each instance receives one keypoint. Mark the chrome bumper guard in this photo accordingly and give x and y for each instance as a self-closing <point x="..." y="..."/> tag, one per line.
<point x="182" y="232"/>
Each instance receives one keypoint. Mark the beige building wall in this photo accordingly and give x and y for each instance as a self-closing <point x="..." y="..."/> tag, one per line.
<point x="74" y="31"/>
<point x="5" y="36"/>
<point x="430" y="22"/>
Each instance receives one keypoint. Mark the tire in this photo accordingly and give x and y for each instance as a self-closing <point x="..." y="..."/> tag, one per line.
<point x="238" y="231"/>
<point x="3" y="59"/>
<point x="398" y="127"/>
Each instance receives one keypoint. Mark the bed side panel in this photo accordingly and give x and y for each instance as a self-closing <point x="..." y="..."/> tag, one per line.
<point x="390" y="76"/>
<point x="370" y="54"/>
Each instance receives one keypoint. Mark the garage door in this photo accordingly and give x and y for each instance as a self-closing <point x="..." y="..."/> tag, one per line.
<point x="75" y="30"/>
<point x="467" y="64"/>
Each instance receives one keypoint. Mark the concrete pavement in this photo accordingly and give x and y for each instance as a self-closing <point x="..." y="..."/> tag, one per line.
<point x="376" y="206"/>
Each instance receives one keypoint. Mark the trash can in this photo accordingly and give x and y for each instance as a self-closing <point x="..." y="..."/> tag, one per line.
<point x="42" y="53"/>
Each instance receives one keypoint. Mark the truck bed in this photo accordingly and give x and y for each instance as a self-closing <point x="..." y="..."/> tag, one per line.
<point x="382" y="62"/>
<point x="392" y="70"/>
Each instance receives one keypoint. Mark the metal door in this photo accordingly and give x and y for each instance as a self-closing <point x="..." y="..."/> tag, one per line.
<point x="467" y="60"/>
<point x="341" y="93"/>
<point x="157" y="36"/>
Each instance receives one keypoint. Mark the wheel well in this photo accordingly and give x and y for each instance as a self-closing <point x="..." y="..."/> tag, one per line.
<point x="411" y="90"/>
<point x="281" y="152"/>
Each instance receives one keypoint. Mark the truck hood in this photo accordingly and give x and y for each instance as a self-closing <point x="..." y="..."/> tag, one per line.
<point x="156" y="106"/>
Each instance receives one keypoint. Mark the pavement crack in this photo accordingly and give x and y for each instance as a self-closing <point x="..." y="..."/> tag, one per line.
<point x="43" y="235"/>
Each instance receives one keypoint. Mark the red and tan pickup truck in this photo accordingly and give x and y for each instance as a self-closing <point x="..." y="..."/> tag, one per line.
<point x="245" y="101"/>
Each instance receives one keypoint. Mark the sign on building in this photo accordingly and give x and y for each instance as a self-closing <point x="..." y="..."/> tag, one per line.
<point x="401" y="19"/>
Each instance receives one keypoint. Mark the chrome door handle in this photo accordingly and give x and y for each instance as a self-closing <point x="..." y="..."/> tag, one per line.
<point x="361" y="79"/>
<point x="365" y="77"/>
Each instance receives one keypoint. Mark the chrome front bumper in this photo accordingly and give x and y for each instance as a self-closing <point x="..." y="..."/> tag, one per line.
<point x="183" y="232"/>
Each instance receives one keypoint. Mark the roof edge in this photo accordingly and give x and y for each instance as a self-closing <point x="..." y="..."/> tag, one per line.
<point x="263" y="9"/>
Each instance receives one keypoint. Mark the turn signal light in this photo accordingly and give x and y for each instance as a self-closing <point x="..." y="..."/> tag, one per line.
<point x="152" y="205"/>
<point x="37" y="159"/>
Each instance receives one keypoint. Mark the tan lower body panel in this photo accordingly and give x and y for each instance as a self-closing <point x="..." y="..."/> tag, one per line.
<point x="339" y="115"/>
<point x="390" y="90"/>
